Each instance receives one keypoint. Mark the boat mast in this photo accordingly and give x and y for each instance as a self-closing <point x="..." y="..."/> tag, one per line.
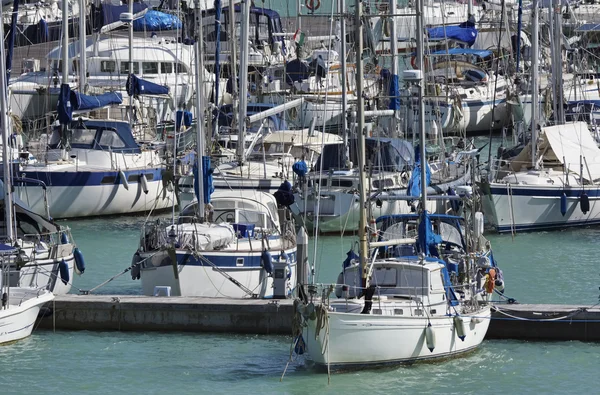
<point x="130" y="11"/>
<point x="559" y="116"/>
<point x="217" y="70"/>
<point x="64" y="58"/>
<point x="233" y="62"/>
<point x="360" y="118"/>
<point x="8" y="217"/>
<point x="534" y="81"/>
<point x="394" y="69"/>
<point x="82" y="46"/>
<point x="200" y="144"/>
<point x="342" y="11"/>
<point x="243" y="79"/>
<point x="421" y="126"/>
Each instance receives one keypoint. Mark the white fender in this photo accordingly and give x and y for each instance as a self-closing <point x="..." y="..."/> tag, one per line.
<point x="123" y="179"/>
<point x="430" y="337"/>
<point x="459" y="324"/>
<point x="144" y="183"/>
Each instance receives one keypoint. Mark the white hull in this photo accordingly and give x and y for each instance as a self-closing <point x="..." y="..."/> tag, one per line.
<point x="83" y="201"/>
<point x="45" y="273"/>
<point x="17" y="322"/>
<point x="366" y="339"/>
<point x="476" y="116"/>
<point x="206" y="281"/>
<point x="530" y="207"/>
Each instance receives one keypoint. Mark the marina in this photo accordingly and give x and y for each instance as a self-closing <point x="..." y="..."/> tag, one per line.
<point x="299" y="196"/>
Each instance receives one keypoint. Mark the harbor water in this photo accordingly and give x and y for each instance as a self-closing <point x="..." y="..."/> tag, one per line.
<point x="540" y="267"/>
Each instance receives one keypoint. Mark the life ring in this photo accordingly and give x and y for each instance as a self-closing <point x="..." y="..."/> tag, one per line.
<point x="312" y="4"/>
<point x="413" y="63"/>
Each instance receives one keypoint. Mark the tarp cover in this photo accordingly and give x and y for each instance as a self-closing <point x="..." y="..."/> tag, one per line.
<point x="154" y="21"/>
<point x="467" y="35"/>
<point x="570" y="141"/>
<point x="137" y="86"/>
<point x="81" y="102"/>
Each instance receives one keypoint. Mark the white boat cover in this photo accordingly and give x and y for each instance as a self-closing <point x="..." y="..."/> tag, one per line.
<point x="570" y="143"/>
<point x="205" y="236"/>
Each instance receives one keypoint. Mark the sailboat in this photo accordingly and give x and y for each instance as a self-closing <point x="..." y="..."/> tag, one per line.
<point x="411" y="300"/>
<point x="553" y="182"/>
<point x="20" y="305"/>
<point x="230" y="244"/>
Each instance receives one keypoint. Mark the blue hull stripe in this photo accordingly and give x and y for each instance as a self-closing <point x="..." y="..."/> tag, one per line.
<point x="251" y="259"/>
<point x="90" y="178"/>
<point x="556" y="192"/>
<point x="548" y="225"/>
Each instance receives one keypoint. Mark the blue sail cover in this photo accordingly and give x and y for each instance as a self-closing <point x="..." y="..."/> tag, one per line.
<point x="394" y="93"/>
<point x="414" y="184"/>
<point x="154" y="21"/>
<point x="137" y="86"/>
<point x="207" y="179"/>
<point x="81" y="102"/>
<point x="63" y="107"/>
<point x="112" y="13"/>
<point x="482" y="53"/>
<point x="467" y="35"/>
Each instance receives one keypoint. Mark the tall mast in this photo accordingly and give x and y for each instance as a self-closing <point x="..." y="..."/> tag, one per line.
<point x="342" y="12"/>
<point x="131" y="71"/>
<point x="233" y="61"/>
<point x="360" y="118"/>
<point x="8" y="219"/>
<point x="394" y="69"/>
<point x="534" y="81"/>
<point x="65" y="42"/>
<point x="559" y="116"/>
<point x="420" y="54"/>
<point x="200" y="135"/>
<point x="243" y="79"/>
<point x="82" y="46"/>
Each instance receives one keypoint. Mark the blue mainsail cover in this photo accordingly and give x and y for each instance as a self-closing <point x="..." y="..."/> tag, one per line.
<point x="154" y="21"/>
<point x="394" y="93"/>
<point x="414" y="184"/>
<point x="63" y="107"/>
<point x="112" y="13"/>
<point x="467" y="35"/>
<point x="137" y="86"/>
<point x="207" y="179"/>
<point x="81" y="102"/>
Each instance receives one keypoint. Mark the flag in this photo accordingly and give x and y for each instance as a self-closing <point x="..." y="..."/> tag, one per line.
<point x="299" y="37"/>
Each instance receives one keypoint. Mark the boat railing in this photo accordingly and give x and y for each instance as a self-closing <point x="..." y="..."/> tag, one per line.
<point x="52" y="238"/>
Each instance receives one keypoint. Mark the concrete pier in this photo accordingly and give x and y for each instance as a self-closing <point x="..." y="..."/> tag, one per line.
<point x="146" y="313"/>
<point x="545" y="322"/>
<point x="143" y="313"/>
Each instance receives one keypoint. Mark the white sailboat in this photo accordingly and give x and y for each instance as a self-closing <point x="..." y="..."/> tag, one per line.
<point x="553" y="182"/>
<point x="19" y="306"/>
<point x="395" y="305"/>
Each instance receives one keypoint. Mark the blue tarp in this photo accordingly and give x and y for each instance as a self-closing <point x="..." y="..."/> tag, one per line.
<point x="207" y="179"/>
<point x="81" y="102"/>
<point x="467" y="35"/>
<point x="482" y="53"/>
<point x="156" y="21"/>
<point x="183" y="117"/>
<point x="137" y="86"/>
<point x="296" y="70"/>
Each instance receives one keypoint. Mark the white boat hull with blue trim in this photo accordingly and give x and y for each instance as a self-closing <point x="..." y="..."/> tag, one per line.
<point x="17" y="319"/>
<point x="241" y="251"/>
<point x="357" y="340"/>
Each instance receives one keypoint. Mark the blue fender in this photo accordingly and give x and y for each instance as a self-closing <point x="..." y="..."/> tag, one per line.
<point x="267" y="261"/>
<point x="64" y="271"/>
<point x="79" y="261"/>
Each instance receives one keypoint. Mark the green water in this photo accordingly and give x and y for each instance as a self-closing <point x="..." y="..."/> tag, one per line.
<point x="540" y="267"/>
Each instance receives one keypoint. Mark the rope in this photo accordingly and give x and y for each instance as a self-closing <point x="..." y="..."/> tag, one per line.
<point x="87" y="292"/>
<point x="569" y="315"/>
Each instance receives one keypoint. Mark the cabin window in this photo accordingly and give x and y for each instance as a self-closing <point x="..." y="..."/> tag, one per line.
<point x="108" y="180"/>
<point x="108" y="66"/>
<point x="384" y="277"/>
<point x="110" y="138"/>
<point x="83" y="136"/>
<point x="251" y="217"/>
<point x="263" y="28"/>
<point x="166" y="68"/>
<point x="150" y="67"/>
<point x="382" y="183"/>
<point x="180" y="68"/>
<point x="341" y="183"/>
<point x="125" y="68"/>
